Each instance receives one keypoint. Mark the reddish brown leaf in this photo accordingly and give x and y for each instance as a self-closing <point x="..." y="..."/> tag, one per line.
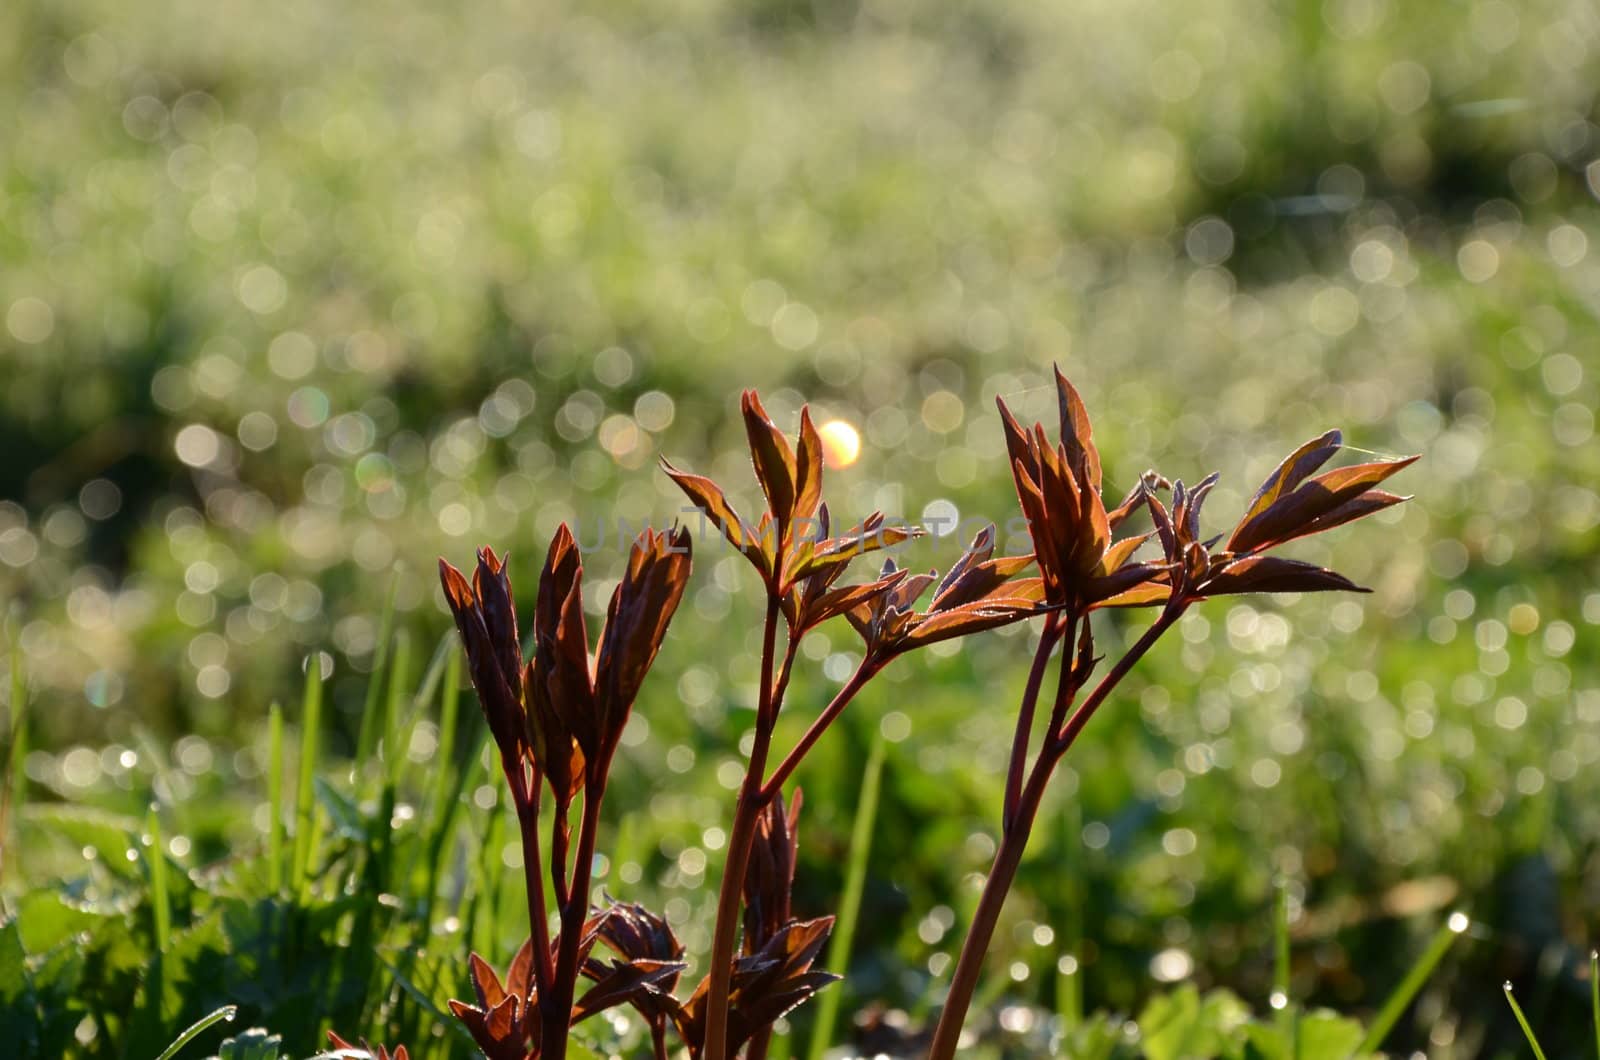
<point x="1122" y="551"/>
<point x="1122" y="580"/>
<point x="808" y="469"/>
<point x="1076" y="433"/>
<point x="709" y="499"/>
<point x="774" y="460"/>
<point x="493" y="1046"/>
<point x="764" y="986"/>
<point x="1351" y="510"/>
<point x="1019" y="445"/>
<point x="376" y="1052"/>
<point x="1270" y="574"/>
<point x="1145" y="594"/>
<point x="845" y="598"/>
<point x="636" y="622"/>
<point x="625" y="983"/>
<point x="493" y="587"/>
<point x="967" y="619"/>
<point x="769" y="877"/>
<point x="499" y="697"/>
<point x="1292" y="471"/>
<point x="562" y="660"/>
<point x="834" y="553"/>
<point x="485" y="983"/>
<point x="1288" y="516"/>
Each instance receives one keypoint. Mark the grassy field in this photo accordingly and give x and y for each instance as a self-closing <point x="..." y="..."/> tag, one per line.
<point x="296" y="301"/>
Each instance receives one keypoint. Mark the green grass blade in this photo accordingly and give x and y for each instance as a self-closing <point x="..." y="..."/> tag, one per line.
<point x="304" y="797"/>
<point x="1280" y="999"/>
<point x="855" y="878"/>
<point x="226" y="1012"/>
<point x="444" y="754"/>
<point x="1395" y="1005"/>
<point x="318" y="829"/>
<point x="1280" y="923"/>
<point x="1522" y="1021"/>
<point x="426" y="1002"/>
<point x="367" y="737"/>
<point x="1069" y="977"/>
<point x="447" y="804"/>
<point x="438" y="664"/>
<point x="16" y="779"/>
<point x="396" y="741"/>
<point x="160" y="904"/>
<point x="1594" y="994"/>
<point x="275" y="799"/>
<point x="486" y="902"/>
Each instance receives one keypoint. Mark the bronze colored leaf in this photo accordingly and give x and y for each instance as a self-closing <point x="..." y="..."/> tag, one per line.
<point x="1122" y="551"/>
<point x="769" y="877"/>
<point x="562" y="690"/>
<point x="1164" y="526"/>
<point x="808" y="470"/>
<point x="501" y="704"/>
<point x="1271" y="574"/>
<point x="966" y="619"/>
<point x="870" y="535"/>
<point x="1292" y="471"/>
<point x="774" y="460"/>
<point x="636" y="622"/>
<point x="1076" y="433"/>
<point x="493" y="587"/>
<point x="846" y="598"/>
<point x="519" y="977"/>
<point x="1356" y="508"/>
<point x="764" y="986"/>
<point x="709" y="499"/>
<point x="1145" y="594"/>
<point x="1019" y="445"/>
<point x="632" y="931"/>
<point x="376" y="1052"/>
<point x="1122" y="580"/>
<point x="1287" y="517"/>
<point x="623" y="983"/>
<point x="485" y="983"/>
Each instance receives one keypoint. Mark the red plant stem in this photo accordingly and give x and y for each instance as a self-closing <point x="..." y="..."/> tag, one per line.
<point x="526" y="796"/>
<point x="560" y="841"/>
<point x="868" y="668"/>
<point x="782" y="684"/>
<point x="557" y="1016"/>
<point x="1048" y="638"/>
<point x="1069" y="683"/>
<point x="658" y="1038"/>
<point x="1014" y="840"/>
<point x="1080" y="717"/>
<point x="759" y="1042"/>
<point x="720" y="975"/>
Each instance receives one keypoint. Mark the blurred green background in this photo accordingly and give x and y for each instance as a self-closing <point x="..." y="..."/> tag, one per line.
<point x="297" y="299"/>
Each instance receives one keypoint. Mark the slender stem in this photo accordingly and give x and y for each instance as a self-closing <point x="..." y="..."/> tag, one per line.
<point x="782" y="685"/>
<point x="1080" y="717"/>
<point x="557" y="1016"/>
<point x="1014" y="840"/>
<point x="1007" y="858"/>
<point x="658" y="1038"/>
<point x="759" y="1042"/>
<point x="560" y="843"/>
<point x="1069" y="682"/>
<point x="1030" y="698"/>
<point x="527" y="800"/>
<point x="841" y="699"/>
<point x="720" y="975"/>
